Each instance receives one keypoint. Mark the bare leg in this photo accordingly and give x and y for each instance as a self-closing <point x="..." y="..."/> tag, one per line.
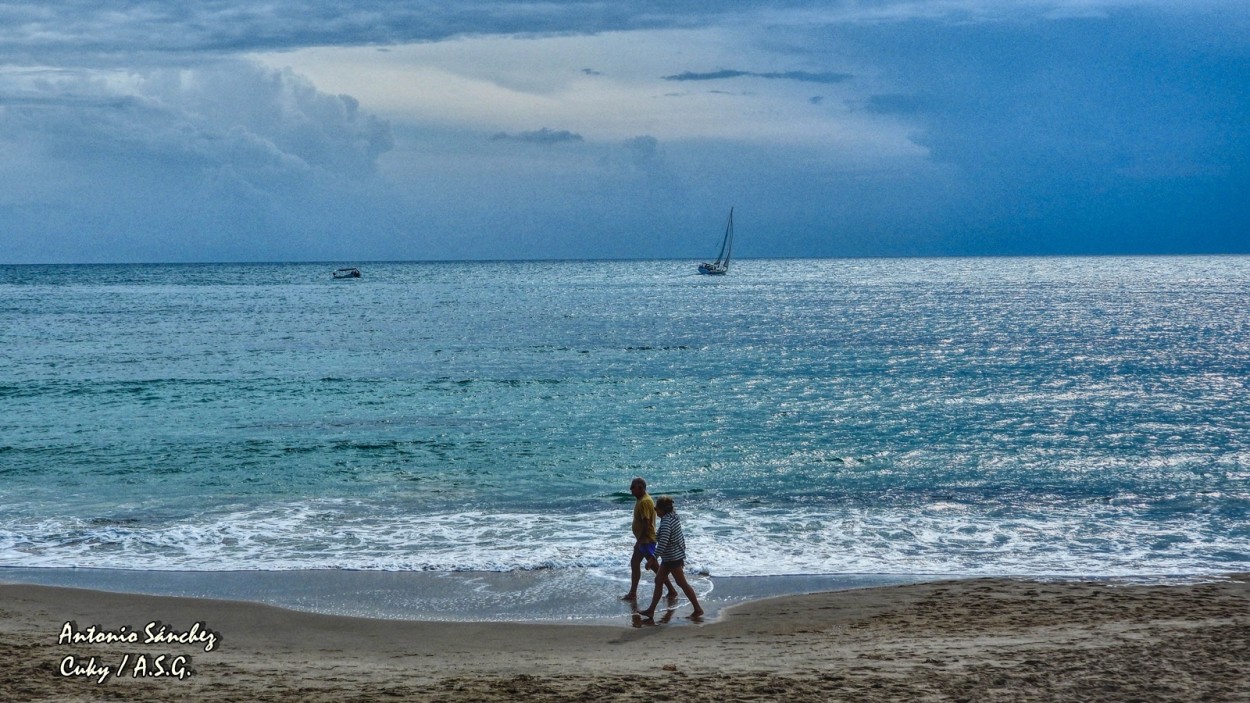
<point x="654" y="565"/>
<point x="672" y="590"/>
<point x="679" y="575"/>
<point x="635" y="573"/>
<point x="661" y="578"/>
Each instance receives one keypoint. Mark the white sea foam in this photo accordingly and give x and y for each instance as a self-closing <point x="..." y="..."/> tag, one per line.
<point x="943" y="538"/>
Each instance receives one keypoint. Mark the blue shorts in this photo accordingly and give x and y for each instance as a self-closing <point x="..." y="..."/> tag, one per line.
<point x="647" y="550"/>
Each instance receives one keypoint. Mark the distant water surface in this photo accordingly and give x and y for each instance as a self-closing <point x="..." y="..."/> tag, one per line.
<point x="1057" y="416"/>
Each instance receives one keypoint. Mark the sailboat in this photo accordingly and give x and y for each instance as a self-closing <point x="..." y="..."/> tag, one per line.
<point x="720" y="267"/>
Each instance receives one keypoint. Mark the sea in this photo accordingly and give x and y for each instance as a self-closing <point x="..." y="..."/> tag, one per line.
<point x="457" y="439"/>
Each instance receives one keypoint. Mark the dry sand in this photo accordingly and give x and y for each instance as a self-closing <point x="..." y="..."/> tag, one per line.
<point x="975" y="640"/>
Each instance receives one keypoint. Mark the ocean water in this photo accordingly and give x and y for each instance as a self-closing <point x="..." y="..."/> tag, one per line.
<point x="955" y="417"/>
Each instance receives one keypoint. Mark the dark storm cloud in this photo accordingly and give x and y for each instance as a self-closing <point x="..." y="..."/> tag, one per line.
<point x="541" y="136"/>
<point x="803" y="76"/>
<point x="60" y="30"/>
<point x="1085" y="135"/>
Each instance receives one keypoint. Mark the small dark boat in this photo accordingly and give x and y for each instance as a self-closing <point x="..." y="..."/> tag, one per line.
<point x="347" y="273"/>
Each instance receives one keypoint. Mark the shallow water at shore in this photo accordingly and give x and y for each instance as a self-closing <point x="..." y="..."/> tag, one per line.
<point x="586" y="597"/>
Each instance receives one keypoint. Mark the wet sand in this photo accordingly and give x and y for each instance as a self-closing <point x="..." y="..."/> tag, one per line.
<point x="972" y="640"/>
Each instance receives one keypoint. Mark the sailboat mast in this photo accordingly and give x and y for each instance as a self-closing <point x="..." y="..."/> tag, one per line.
<point x="728" y="246"/>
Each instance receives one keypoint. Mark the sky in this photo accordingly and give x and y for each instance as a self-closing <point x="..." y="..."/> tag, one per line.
<point x="364" y="130"/>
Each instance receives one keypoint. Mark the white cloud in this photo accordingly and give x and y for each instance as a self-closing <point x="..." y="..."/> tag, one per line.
<point x="511" y="84"/>
<point x="222" y="149"/>
<point x="233" y="111"/>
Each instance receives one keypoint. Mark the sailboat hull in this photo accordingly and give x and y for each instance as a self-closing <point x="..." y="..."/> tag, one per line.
<point x="713" y="270"/>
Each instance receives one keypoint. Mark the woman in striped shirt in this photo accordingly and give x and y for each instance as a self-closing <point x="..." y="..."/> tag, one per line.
<point x="670" y="547"/>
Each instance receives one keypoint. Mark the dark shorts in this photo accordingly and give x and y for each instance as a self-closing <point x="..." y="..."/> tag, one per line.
<point x="673" y="564"/>
<point x="647" y="550"/>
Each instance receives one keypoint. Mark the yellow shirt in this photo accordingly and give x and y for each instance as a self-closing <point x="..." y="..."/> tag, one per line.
<point x="644" y="519"/>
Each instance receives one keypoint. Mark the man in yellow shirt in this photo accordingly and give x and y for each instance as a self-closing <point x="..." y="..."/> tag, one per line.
<point x="644" y="540"/>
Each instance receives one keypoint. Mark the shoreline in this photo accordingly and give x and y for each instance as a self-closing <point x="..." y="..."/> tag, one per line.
<point x="588" y="596"/>
<point x="582" y="596"/>
<point x="975" y="639"/>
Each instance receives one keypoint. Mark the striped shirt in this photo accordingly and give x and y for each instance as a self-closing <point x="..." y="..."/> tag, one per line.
<point x="670" y="543"/>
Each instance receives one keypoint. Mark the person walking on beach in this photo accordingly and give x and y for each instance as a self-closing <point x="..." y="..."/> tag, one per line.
<point x="670" y="546"/>
<point x="644" y="540"/>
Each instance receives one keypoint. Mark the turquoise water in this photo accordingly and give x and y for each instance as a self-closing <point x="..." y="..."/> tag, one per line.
<point x="1067" y="416"/>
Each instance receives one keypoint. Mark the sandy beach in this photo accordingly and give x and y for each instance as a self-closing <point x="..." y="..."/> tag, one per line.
<point x="972" y="640"/>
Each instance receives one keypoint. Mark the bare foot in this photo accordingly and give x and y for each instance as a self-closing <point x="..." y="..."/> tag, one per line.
<point x="697" y="615"/>
<point x="647" y="614"/>
<point x="630" y="596"/>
